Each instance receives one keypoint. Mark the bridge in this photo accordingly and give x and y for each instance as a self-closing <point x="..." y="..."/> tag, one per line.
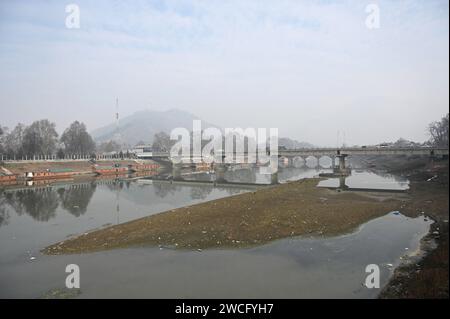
<point x="293" y="154"/>
<point x="341" y="153"/>
<point x="319" y="152"/>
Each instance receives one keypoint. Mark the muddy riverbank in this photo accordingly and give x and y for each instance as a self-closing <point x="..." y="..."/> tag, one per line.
<point x="426" y="277"/>
<point x="287" y="210"/>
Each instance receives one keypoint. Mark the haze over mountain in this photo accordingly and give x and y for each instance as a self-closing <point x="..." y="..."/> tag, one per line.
<point x="293" y="144"/>
<point x="143" y="125"/>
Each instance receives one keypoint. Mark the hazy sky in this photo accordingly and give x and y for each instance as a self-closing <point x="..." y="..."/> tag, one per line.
<point x="310" y="68"/>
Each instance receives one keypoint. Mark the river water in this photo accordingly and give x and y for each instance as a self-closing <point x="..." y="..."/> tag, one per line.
<point x="33" y="217"/>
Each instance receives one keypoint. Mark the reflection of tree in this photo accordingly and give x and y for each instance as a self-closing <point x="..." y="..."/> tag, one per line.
<point x="75" y="199"/>
<point x="41" y="204"/>
<point x="200" y="192"/>
<point x="4" y="214"/>
<point x="115" y="185"/>
<point x="163" y="189"/>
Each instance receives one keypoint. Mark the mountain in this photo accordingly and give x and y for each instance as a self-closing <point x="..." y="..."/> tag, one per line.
<point x="293" y="144"/>
<point x="143" y="125"/>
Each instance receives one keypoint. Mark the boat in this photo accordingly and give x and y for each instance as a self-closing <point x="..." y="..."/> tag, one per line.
<point x="139" y="167"/>
<point x="203" y="166"/>
<point x="110" y="170"/>
<point x="52" y="173"/>
<point x="7" y="178"/>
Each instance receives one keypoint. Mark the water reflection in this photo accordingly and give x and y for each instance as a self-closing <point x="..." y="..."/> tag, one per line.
<point x="366" y="180"/>
<point x="286" y="266"/>
<point x="42" y="203"/>
<point x="75" y="198"/>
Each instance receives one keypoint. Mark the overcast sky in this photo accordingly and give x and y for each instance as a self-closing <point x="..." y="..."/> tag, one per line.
<point x="310" y="68"/>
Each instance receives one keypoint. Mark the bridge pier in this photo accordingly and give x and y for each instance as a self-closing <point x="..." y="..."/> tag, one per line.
<point x="342" y="185"/>
<point x="333" y="162"/>
<point x="341" y="169"/>
<point x="274" y="178"/>
<point x="176" y="172"/>
<point x="220" y="170"/>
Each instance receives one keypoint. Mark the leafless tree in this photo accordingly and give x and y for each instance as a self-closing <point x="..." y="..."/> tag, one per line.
<point x="162" y="142"/>
<point x="40" y="138"/>
<point x="438" y="131"/>
<point x="77" y="140"/>
<point x="14" y="141"/>
<point x="108" y="147"/>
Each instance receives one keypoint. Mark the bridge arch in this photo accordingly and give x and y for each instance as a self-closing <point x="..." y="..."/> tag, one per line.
<point x="298" y="162"/>
<point x="326" y="161"/>
<point x="311" y="161"/>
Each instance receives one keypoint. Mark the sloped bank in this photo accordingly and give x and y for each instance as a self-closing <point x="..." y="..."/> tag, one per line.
<point x="426" y="277"/>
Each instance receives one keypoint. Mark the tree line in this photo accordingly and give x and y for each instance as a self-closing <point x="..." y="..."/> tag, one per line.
<point x="41" y="139"/>
<point x="438" y="132"/>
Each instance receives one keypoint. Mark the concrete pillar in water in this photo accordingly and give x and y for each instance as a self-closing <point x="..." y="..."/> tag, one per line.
<point x="342" y="169"/>
<point x="342" y="162"/>
<point x="342" y="185"/>
<point x="176" y="171"/>
<point x="274" y="178"/>
<point x="273" y="166"/>
<point x="220" y="169"/>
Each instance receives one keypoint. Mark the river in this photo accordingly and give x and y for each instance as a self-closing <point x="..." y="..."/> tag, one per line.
<point x="302" y="267"/>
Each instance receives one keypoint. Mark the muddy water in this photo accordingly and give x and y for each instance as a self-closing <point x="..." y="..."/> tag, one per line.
<point x="33" y="218"/>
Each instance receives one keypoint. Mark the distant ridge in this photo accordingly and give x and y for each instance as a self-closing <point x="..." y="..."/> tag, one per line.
<point x="293" y="144"/>
<point x="143" y="125"/>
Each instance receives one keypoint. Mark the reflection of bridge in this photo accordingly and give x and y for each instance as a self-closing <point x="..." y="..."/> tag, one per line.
<point x="186" y="182"/>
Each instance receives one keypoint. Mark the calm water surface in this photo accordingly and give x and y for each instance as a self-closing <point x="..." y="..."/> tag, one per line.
<point x="32" y="218"/>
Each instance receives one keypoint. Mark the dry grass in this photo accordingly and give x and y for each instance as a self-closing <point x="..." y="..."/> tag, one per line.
<point x="297" y="208"/>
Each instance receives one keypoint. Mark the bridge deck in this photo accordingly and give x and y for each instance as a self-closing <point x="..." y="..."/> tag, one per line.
<point x="424" y="151"/>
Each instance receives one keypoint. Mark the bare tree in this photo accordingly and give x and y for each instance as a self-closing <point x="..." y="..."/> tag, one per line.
<point x="77" y="140"/>
<point x="438" y="131"/>
<point x="14" y="141"/>
<point x="2" y="136"/>
<point x="162" y="142"/>
<point x="108" y="147"/>
<point x="40" y="138"/>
